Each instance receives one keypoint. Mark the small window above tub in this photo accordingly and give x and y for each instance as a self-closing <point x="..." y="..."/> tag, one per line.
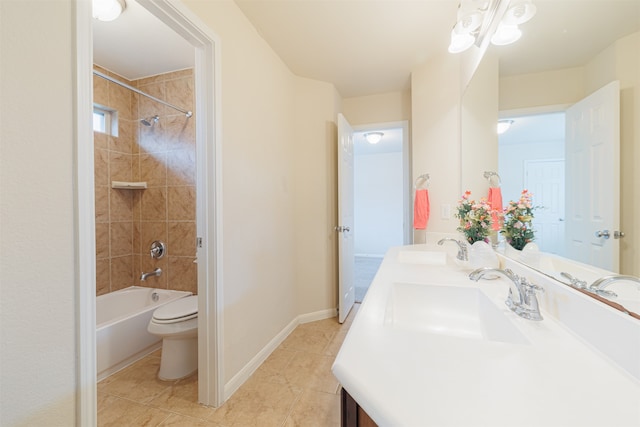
<point x="105" y="120"/>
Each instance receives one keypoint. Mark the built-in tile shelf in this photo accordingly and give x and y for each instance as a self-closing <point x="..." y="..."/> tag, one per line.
<point x="127" y="185"/>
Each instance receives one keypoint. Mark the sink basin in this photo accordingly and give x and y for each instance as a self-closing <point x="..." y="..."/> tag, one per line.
<point x="423" y="257"/>
<point x="456" y="311"/>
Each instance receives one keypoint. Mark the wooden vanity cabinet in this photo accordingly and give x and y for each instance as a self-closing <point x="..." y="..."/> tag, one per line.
<point x="351" y="414"/>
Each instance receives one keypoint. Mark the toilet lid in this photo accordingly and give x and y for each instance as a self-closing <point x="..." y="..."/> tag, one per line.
<point x="178" y="309"/>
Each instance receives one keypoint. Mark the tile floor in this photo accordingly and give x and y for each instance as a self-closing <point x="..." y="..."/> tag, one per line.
<point x="293" y="387"/>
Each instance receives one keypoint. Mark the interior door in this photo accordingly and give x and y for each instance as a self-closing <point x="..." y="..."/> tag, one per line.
<point x="346" y="286"/>
<point x="593" y="178"/>
<point x="545" y="179"/>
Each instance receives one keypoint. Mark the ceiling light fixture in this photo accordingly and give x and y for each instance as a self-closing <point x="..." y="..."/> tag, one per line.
<point x="108" y="10"/>
<point x="476" y="18"/>
<point x="373" y="137"/>
<point x="504" y="125"/>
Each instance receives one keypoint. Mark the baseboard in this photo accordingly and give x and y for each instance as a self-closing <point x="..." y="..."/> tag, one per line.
<point x="243" y="375"/>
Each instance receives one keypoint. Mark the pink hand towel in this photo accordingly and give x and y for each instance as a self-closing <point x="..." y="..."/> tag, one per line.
<point x="421" y="210"/>
<point x="495" y="201"/>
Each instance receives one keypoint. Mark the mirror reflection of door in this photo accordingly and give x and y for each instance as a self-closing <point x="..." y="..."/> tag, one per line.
<point x="531" y="156"/>
<point x="586" y="140"/>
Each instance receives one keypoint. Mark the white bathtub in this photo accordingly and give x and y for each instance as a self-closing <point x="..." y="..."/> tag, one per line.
<point x="121" y="331"/>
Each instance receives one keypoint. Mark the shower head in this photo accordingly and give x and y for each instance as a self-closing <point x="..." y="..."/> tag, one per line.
<point x="150" y="121"/>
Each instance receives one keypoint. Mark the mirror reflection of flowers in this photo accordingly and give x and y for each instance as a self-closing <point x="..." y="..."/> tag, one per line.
<point x="475" y="218"/>
<point x="517" y="228"/>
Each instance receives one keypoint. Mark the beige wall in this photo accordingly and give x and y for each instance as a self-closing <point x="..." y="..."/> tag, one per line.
<point x="556" y="87"/>
<point x="163" y="156"/>
<point x="37" y="234"/>
<point x="263" y="286"/>
<point x="316" y="108"/>
<point x="478" y="127"/>
<point x="381" y="108"/>
<point x="435" y="136"/>
<point x="620" y="61"/>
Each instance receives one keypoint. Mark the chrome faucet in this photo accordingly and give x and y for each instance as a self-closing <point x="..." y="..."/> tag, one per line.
<point x="463" y="254"/>
<point x="599" y="285"/>
<point x="156" y="272"/>
<point x="574" y="281"/>
<point x="526" y="305"/>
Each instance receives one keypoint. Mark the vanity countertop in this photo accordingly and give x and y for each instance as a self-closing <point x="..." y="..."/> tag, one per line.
<point x="403" y="374"/>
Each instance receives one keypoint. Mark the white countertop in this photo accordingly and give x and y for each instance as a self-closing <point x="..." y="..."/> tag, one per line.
<point x="404" y="376"/>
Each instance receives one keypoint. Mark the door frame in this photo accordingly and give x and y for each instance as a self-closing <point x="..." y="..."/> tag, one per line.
<point x="407" y="198"/>
<point x="209" y="202"/>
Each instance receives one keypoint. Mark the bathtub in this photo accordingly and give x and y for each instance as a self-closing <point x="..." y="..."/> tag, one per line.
<point x="121" y="331"/>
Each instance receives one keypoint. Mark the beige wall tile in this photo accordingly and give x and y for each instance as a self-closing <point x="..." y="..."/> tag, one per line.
<point x="183" y="274"/>
<point x="102" y="203"/>
<point x="180" y="132"/>
<point x="121" y="205"/>
<point x="182" y="203"/>
<point x="150" y="231"/>
<point x="127" y="135"/>
<point x="181" y="169"/>
<point x="179" y="92"/>
<point x="103" y="276"/>
<point x="102" y="240"/>
<point x="120" y="100"/>
<point x="121" y="272"/>
<point x="152" y="139"/>
<point x="120" y="166"/>
<point x="101" y="167"/>
<point x="148" y="107"/>
<point x="153" y="169"/>
<point x="182" y="239"/>
<point x="121" y="238"/>
<point x="100" y="140"/>
<point x="100" y="91"/>
<point x="153" y="204"/>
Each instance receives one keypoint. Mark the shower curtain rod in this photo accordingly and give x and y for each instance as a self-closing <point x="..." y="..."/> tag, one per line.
<point x="138" y="91"/>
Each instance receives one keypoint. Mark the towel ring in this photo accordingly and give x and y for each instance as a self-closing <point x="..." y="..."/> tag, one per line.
<point x="488" y="175"/>
<point x="424" y="177"/>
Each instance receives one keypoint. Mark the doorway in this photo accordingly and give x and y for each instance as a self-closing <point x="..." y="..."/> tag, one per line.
<point x="208" y="206"/>
<point x="381" y="200"/>
<point x="531" y="156"/>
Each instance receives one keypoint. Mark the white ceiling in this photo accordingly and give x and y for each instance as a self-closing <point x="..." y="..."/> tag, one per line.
<point x="370" y="46"/>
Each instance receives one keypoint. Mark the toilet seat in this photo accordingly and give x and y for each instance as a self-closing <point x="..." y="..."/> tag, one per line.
<point x="180" y="310"/>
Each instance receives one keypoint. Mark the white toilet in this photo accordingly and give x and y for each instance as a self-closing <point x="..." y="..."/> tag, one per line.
<point x="177" y="324"/>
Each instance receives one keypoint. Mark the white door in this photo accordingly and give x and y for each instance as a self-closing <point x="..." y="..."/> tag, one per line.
<point x="545" y="180"/>
<point x="346" y="289"/>
<point x="593" y="178"/>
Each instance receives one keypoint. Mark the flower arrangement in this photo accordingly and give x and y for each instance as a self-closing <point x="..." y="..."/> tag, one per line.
<point x="517" y="228"/>
<point x="475" y="218"/>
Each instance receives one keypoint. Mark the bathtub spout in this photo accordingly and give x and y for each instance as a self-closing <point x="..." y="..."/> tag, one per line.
<point x="156" y="272"/>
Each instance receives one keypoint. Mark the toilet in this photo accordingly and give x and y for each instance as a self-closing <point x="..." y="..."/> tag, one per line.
<point x="177" y="324"/>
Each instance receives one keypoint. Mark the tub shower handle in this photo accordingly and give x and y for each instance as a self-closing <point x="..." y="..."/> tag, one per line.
<point x="158" y="249"/>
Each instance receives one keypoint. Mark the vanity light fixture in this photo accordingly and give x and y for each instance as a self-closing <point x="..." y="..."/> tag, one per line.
<point x="108" y="10"/>
<point x="373" y="137"/>
<point x="477" y="17"/>
<point x="504" y="125"/>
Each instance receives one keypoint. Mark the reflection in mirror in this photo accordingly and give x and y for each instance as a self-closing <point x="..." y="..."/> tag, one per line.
<point x="566" y="57"/>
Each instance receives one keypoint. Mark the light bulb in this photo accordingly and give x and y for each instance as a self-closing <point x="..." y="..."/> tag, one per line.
<point x="506" y="34"/>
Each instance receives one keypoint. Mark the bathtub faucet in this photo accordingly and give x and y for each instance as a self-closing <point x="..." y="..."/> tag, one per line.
<point x="156" y="272"/>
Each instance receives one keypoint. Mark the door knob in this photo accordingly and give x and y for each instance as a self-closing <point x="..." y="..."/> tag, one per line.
<point x="618" y="234"/>
<point x="604" y="233"/>
<point x="340" y="229"/>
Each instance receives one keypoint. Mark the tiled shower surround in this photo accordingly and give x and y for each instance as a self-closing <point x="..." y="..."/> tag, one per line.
<point x="127" y="221"/>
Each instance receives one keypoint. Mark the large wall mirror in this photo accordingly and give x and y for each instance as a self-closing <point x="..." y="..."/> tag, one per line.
<point x="568" y="51"/>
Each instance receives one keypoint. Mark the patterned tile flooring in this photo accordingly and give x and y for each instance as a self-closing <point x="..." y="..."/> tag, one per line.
<point x="293" y="387"/>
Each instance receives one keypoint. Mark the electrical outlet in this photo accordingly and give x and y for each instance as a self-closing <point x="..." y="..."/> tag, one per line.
<point x="445" y="211"/>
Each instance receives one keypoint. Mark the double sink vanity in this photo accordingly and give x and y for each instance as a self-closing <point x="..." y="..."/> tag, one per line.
<point x="430" y="347"/>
